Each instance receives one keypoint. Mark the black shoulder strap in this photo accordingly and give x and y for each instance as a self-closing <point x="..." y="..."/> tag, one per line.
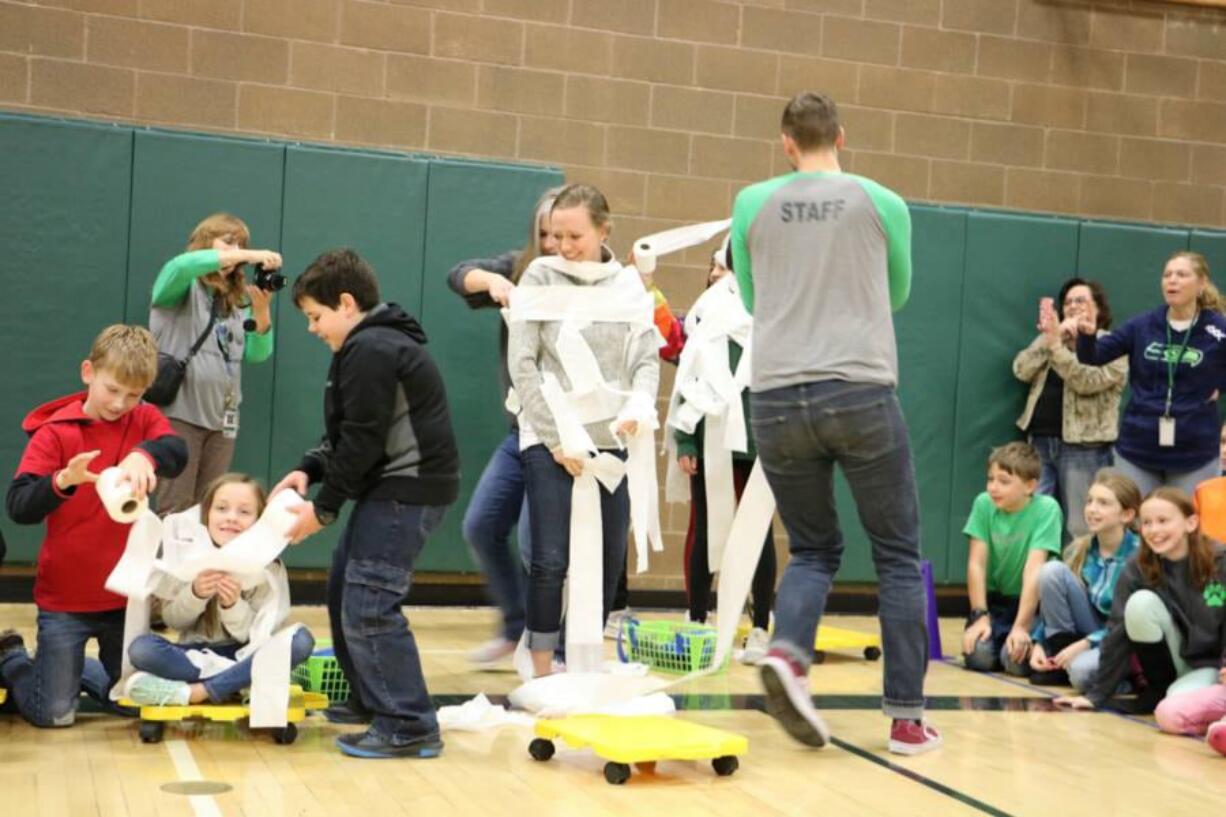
<point x="207" y="331"/>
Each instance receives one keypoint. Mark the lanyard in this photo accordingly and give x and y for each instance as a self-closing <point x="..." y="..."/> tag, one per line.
<point x="1173" y="365"/>
<point x="223" y="337"/>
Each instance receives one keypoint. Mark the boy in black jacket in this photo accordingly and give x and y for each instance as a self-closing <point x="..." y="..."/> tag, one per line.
<point x="389" y="446"/>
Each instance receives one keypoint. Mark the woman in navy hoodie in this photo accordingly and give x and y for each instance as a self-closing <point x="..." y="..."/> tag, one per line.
<point x="1176" y="367"/>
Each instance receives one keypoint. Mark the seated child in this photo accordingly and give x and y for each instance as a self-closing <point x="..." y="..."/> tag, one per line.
<point x="212" y="613"/>
<point x="72" y="440"/>
<point x="1170" y="613"/>
<point x="1012" y="535"/>
<point x="1075" y="594"/>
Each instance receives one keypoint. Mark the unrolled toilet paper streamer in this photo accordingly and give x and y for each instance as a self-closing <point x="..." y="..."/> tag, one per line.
<point x="187" y="551"/>
<point x="649" y="248"/>
<point x="116" y="496"/>
<point x="707" y="390"/>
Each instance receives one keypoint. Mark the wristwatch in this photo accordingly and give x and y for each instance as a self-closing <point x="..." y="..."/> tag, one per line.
<point x="324" y="517"/>
<point x="975" y="614"/>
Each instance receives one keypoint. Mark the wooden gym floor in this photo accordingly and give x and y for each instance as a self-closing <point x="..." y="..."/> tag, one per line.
<point x="1007" y="753"/>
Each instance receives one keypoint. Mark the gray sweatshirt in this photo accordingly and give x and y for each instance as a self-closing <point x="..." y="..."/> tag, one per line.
<point x="627" y="355"/>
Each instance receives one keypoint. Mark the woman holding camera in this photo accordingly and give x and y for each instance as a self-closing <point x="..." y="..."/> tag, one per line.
<point x="205" y="314"/>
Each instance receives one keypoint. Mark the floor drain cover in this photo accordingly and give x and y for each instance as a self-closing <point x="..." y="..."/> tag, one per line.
<point x="194" y="787"/>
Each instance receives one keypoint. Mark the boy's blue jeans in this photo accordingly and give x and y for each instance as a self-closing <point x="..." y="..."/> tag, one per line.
<point x="46" y="687"/>
<point x="154" y="654"/>
<point x="990" y="654"/>
<point x="372" y="569"/>
<point x="802" y="432"/>
<point x="496" y="507"/>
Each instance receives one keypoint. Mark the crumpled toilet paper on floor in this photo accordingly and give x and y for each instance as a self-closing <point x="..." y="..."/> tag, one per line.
<point x="593" y="693"/>
<point x="479" y="715"/>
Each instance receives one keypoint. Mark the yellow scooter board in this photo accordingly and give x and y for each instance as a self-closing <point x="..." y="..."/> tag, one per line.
<point x="153" y="719"/>
<point x="836" y="638"/>
<point x="641" y="740"/>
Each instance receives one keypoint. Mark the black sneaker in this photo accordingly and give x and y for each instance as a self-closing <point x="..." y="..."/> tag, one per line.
<point x="1050" y="678"/>
<point x="349" y="714"/>
<point x="10" y="640"/>
<point x="370" y="744"/>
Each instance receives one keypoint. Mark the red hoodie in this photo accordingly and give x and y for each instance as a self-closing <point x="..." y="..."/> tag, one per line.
<point x="83" y="544"/>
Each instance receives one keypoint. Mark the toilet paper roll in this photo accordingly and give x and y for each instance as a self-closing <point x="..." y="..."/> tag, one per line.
<point x="117" y="497"/>
<point x="649" y="248"/>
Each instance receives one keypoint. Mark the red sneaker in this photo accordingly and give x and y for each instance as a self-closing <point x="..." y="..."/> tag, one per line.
<point x="1216" y="737"/>
<point x="913" y="737"/>
<point x="788" y="701"/>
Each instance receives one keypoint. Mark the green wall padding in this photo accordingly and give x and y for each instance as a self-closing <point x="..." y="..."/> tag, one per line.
<point x="928" y="376"/>
<point x="64" y="230"/>
<point x="1213" y="247"/>
<point x="177" y="181"/>
<point x="1011" y="262"/>
<point x="375" y="204"/>
<point x="928" y="358"/>
<point x="475" y="211"/>
<point x="1128" y="260"/>
<point x="93" y="211"/>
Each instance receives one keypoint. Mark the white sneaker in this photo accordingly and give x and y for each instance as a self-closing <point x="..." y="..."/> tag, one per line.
<point x="492" y="653"/>
<point x="150" y="690"/>
<point x="756" y="646"/>
<point x="613" y="625"/>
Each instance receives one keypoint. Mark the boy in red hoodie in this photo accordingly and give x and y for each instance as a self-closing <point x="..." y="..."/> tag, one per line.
<point x="72" y="440"/>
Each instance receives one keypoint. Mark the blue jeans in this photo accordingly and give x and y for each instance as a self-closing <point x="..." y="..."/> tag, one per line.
<point x="1064" y="606"/>
<point x="1064" y="603"/>
<point x="372" y="569"/>
<point x="154" y="654"/>
<point x="1068" y="471"/>
<point x="494" y="510"/>
<point x="1148" y="480"/>
<point x="990" y="654"/>
<point x="802" y="432"/>
<point x="46" y="687"/>
<point x="549" y="490"/>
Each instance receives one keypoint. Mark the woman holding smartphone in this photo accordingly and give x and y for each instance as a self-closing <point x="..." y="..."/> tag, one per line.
<point x="1072" y="411"/>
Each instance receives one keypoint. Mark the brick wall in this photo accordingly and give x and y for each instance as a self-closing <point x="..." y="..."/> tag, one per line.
<point x="1111" y="109"/>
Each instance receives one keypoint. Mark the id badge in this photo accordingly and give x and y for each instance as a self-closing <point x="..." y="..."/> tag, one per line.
<point x="229" y="424"/>
<point x="1166" y="432"/>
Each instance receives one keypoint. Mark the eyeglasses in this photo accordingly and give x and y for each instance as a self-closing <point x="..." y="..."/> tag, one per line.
<point x="1080" y="300"/>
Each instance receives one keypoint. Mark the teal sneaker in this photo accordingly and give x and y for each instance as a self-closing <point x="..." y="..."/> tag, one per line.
<point x="150" y="690"/>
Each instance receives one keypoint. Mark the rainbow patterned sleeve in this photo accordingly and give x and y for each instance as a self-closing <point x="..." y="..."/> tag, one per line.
<point x="669" y="327"/>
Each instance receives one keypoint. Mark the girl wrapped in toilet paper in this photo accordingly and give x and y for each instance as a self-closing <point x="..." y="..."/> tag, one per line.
<point x="711" y="448"/>
<point x="226" y="601"/>
<point x="582" y="355"/>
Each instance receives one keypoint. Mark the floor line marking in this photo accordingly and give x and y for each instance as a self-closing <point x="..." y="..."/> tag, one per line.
<point x="185" y="767"/>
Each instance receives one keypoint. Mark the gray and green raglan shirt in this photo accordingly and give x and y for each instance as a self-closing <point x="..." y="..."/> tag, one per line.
<point x="822" y="260"/>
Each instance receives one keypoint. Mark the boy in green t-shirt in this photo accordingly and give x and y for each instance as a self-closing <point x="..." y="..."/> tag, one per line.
<point x="1012" y="533"/>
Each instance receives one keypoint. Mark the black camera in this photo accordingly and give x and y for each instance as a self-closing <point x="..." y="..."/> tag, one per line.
<point x="268" y="280"/>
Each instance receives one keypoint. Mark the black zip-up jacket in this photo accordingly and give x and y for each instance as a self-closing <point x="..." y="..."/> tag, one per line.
<point x="388" y="429"/>
<point x="503" y="265"/>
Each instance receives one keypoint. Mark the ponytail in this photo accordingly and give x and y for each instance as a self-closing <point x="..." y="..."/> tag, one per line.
<point x="1210" y="297"/>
